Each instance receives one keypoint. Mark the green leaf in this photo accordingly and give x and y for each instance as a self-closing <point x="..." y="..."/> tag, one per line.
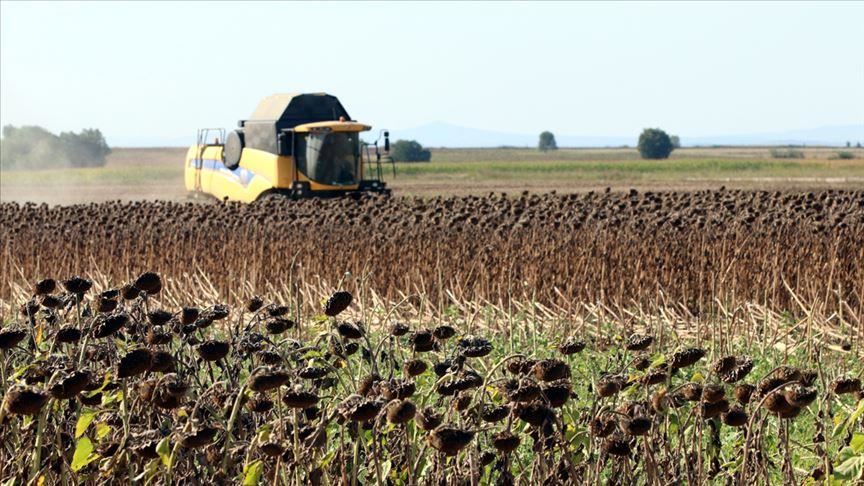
<point x="832" y="481"/>
<point x="850" y="469"/>
<point x="102" y="429"/>
<point x="148" y="472"/>
<point x="385" y="469"/>
<point x="673" y="423"/>
<point x="658" y="361"/>
<point x="84" y="421"/>
<point x="839" y="423"/>
<point x="853" y="417"/>
<point x="105" y="381"/>
<point x="111" y="398"/>
<point x="851" y="465"/>
<point x="312" y="353"/>
<point x="325" y="461"/>
<point x="253" y="473"/>
<point x="264" y="433"/>
<point x="580" y="437"/>
<point x="83" y="454"/>
<point x="163" y="448"/>
<point x="631" y="391"/>
<point x="857" y="442"/>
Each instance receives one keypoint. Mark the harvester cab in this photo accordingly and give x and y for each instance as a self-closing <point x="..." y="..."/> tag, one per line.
<point x="293" y="145"/>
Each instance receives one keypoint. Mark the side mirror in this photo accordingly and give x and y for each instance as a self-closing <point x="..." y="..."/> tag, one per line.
<point x="387" y="142"/>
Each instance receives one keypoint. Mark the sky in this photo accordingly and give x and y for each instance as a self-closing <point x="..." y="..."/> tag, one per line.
<point x="150" y="72"/>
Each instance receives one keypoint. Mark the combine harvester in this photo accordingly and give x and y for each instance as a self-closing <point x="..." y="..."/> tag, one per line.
<point x="294" y="146"/>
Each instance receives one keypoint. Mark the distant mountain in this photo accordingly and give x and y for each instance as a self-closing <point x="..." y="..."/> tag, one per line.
<point x="446" y="135"/>
<point x="836" y="135"/>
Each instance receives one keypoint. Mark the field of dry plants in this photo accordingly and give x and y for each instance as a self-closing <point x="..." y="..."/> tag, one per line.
<point x="709" y="337"/>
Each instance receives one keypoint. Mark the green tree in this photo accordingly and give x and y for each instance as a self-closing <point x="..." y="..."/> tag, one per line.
<point x="654" y="144"/>
<point x="85" y="149"/>
<point x="409" y="151"/>
<point x="547" y="142"/>
<point x="33" y="147"/>
<point x="676" y="141"/>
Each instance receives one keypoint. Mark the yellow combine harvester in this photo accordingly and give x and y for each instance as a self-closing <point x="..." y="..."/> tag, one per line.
<point x="293" y="145"/>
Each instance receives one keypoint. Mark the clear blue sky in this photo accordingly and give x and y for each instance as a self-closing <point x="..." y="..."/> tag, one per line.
<point x="149" y="70"/>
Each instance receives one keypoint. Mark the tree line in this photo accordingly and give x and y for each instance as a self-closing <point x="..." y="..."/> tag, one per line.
<point x="653" y="143"/>
<point x="33" y="147"/>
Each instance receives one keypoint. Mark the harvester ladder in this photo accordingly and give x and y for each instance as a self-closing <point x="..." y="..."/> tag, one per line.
<point x="201" y="145"/>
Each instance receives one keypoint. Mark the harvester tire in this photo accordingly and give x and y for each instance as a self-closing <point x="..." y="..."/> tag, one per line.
<point x="233" y="149"/>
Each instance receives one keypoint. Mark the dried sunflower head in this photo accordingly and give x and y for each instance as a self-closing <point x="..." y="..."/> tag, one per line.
<point x="844" y="385"/>
<point x="24" y="400"/>
<point x="639" y="342"/>
<point x="505" y="442"/>
<point x="551" y="370"/>
<point x="449" y="440"/>
<point x="338" y="302"/>
<point x="571" y="346"/>
<point x="401" y="411"/>
<point x="686" y="357"/>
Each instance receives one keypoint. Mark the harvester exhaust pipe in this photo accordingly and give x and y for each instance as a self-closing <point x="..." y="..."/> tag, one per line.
<point x="387" y="151"/>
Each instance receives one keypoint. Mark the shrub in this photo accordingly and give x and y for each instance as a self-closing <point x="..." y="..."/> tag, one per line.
<point x="410" y="151"/>
<point x="787" y="153"/>
<point x="845" y="155"/>
<point x="33" y="147"/>
<point x="655" y="144"/>
<point x="547" y="142"/>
